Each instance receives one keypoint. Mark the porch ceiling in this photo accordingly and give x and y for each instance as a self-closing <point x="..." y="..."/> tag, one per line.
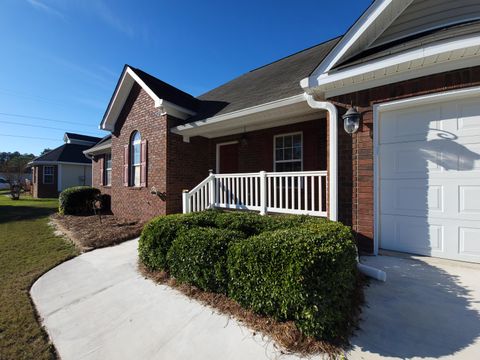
<point x="282" y="112"/>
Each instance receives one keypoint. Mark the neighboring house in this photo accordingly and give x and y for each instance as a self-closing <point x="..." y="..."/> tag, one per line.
<point x="407" y="180"/>
<point x="63" y="167"/>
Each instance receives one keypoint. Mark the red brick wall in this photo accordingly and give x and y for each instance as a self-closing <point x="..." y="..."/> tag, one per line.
<point x="257" y="154"/>
<point x="41" y="190"/>
<point x="97" y="174"/>
<point x="187" y="165"/>
<point x="138" y="114"/>
<point x="356" y="195"/>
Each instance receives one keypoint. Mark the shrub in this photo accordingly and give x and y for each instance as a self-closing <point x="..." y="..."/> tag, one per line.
<point x="199" y="257"/>
<point x="247" y="222"/>
<point x="77" y="200"/>
<point x="306" y="274"/>
<point x="157" y="236"/>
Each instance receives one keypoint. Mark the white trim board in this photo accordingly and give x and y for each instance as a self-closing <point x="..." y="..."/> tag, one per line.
<point x="397" y="105"/>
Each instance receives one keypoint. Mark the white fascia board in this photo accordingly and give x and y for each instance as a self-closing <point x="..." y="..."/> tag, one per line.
<point x="354" y="72"/>
<point x="35" y="163"/>
<point x="123" y="90"/>
<point x="183" y="129"/>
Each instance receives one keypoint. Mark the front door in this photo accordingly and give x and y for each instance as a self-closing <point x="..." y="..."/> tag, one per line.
<point x="227" y="158"/>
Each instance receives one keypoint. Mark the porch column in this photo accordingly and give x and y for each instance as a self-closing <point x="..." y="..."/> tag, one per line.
<point x="332" y="153"/>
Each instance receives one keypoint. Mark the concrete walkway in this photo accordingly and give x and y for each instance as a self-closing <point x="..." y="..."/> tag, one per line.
<point x="97" y="306"/>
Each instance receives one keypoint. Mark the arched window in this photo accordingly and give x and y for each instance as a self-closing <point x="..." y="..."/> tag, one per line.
<point x="135" y="159"/>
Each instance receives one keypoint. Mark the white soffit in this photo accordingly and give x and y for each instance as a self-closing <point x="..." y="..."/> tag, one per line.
<point x="276" y="113"/>
<point x="127" y="79"/>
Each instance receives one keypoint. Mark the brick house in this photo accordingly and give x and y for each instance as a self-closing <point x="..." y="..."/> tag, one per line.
<point x="402" y="167"/>
<point x="62" y="167"/>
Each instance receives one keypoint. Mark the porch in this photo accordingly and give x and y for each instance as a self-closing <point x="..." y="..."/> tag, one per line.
<point x="299" y="192"/>
<point x="275" y="158"/>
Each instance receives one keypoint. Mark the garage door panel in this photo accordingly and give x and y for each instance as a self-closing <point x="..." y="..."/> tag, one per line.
<point x="408" y="160"/>
<point x="469" y="244"/>
<point x="425" y="159"/>
<point x="429" y="179"/>
<point x="412" y="234"/>
<point x="469" y="201"/>
<point x="409" y="125"/>
<point x="468" y="117"/>
<point x="411" y="197"/>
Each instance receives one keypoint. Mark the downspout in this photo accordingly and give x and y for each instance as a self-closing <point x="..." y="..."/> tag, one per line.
<point x="332" y="153"/>
<point x="333" y="176"/>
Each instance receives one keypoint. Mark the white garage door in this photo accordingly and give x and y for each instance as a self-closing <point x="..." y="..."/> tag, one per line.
<point x="429" y="179"/>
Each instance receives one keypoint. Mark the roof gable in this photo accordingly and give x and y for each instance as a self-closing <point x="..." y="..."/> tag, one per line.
<point x="371" y="24"/>
<point x="166" y="97"/>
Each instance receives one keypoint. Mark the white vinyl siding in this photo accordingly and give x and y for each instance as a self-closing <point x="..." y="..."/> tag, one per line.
<point x="424" y="15"/>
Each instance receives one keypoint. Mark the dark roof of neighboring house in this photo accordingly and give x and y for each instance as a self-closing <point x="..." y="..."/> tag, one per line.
<point x="275" y="81"/>
<point x="73" y="136"/>
<point x="411" y="42"/>
<point x="72" y="153"/>
<point x="166" y="91"/>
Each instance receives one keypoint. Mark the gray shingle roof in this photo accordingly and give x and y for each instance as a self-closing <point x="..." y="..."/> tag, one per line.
<point x="166" y="91"/>
<point x="275" y="81"/>
<point x="72" y="153"/>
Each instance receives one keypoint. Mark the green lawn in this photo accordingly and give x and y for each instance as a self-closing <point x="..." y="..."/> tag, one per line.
<point x="28" y="249"/>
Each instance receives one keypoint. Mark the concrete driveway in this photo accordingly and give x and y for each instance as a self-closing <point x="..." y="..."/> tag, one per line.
<point x="97" y="306"/>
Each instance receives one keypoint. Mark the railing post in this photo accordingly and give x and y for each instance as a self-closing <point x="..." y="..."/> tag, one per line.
<point x="212" y="190"/>
<point x="263" y="193"/>
<point x="185" y="202"/>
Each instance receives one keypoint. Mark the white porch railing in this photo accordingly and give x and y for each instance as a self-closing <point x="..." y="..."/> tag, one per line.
<point x="302" y="192"/>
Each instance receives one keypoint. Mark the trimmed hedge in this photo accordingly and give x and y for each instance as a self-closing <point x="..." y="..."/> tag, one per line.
<point x="297" y="268"/>
<point x="305" y="274"/>
<point x="77" y="200"/>
<point x="158" y="235"/>
<point x="198" y="256"/>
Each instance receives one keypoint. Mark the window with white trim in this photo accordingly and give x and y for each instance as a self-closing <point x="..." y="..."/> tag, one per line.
<point x="48" y="172"/>
<point x="288" y="152"/>
<point x="135" y="159"/>
<point x="107" y="164"/>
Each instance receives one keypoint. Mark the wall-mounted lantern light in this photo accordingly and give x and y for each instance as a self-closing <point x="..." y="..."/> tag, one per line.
<point x="351" y="120"/>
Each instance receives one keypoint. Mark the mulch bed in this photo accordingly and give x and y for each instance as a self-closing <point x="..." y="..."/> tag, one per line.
<point x="92" y="232"/>
<point x="286" y="336"/>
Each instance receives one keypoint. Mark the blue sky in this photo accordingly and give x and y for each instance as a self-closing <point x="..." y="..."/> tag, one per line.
<point x="60" y="59"/>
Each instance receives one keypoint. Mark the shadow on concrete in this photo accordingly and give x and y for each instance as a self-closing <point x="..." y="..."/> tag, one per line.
<point x="421" y="311"/>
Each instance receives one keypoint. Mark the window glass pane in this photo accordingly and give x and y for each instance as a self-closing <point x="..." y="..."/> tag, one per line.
<point x="288" y="154"/>
<point x="296" y="166"/>
<point x="279" y="142"/>
<point x="108" y="162"/>
<point x="288" y="141"/>
<point x="108" y="177"/>
<point x="297" y="153"/>
<point x="279" y="167"/>
<point x="279" y="154"/>
<point x="136" y="153"/>
<point x="297" y="140"/>
<point x="136" y="176"/>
